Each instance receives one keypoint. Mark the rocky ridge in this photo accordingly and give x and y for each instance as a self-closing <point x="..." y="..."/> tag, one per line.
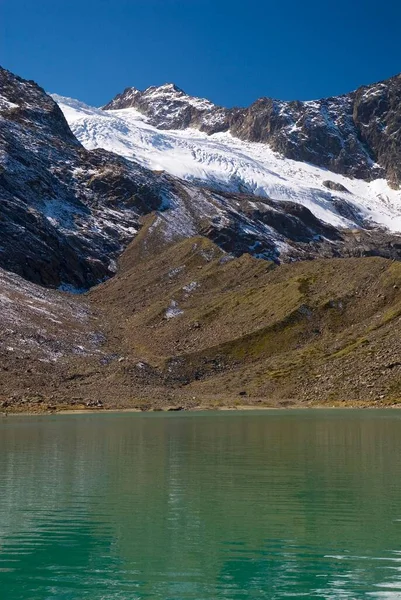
<point x="356" y="134"/>
<point x="66" y="213"/>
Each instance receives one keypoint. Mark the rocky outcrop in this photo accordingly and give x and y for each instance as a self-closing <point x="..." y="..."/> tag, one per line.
<point x="66" y="213"/>
<point x="357" y="134"/>
<point x="335" y="186"/>
<point x="377" y="115"/>
<point x="287" y="231"/>
<point x="169" y="107"/>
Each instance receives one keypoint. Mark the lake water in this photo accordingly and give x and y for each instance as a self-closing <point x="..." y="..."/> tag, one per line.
<point x="274" y="504"/>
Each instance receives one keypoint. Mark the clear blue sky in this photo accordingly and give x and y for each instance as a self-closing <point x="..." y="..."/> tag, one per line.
<point x="229" y="51"/>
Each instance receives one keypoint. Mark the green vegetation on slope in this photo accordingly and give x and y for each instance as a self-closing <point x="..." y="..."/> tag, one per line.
<point x="185" y="325"/>
<point x="318" y="331"/>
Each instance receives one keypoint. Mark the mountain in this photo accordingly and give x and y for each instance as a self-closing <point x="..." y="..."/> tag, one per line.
<point x="357" y="134"/>
<point x="207" y="268"/>
<point x="223" y="162"/>
<point x="68" y="211"/>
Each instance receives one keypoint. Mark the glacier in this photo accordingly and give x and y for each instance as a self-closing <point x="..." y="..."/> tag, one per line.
<point x="222" y="162"/>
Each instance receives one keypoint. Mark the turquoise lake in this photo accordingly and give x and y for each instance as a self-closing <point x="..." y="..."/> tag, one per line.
<point x="201" y="506"/>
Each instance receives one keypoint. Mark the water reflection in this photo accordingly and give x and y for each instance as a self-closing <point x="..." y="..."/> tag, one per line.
<point x="272" y="505"/>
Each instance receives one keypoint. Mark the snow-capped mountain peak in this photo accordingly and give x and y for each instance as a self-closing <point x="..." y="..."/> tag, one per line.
<point x="166" y="106"/>
<point x="70" y="204"/>
<point x="165" y="89"/>
<point x="356" y="134"/>
<point x="223" y="162"/>
<point x="168" y="92"/>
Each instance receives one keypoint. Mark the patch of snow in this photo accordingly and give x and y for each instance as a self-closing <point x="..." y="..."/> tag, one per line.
<point x="191" y="287"/>
<point x="6" y="104"/>
<point x="173" y="310"/>
<point x="176" y="271"/>
<point x="60" y="214"/>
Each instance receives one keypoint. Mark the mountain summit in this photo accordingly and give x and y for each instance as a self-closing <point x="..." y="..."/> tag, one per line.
<point x="169" y="107"/>
<point x="356" y="134"/>
<point x="280" y="151"/>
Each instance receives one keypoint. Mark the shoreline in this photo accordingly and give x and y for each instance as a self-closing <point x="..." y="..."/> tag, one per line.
<point x="198" y="409"/>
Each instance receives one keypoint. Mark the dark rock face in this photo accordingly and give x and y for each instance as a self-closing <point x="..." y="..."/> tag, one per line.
<point x="168" y="107"/>
<point x="320" y="132"/>
<point x="334" y="186"/>
<point x="377" y="114"/>
<point x="357" y="134"/>
<point x="284" y="231"/>
<point x="65" y="213"/>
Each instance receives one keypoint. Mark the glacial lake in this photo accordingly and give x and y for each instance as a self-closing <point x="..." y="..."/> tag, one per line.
<point x="201" y="506"/>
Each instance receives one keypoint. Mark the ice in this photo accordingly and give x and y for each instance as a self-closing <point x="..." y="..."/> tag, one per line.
<point x="223" y="162"/>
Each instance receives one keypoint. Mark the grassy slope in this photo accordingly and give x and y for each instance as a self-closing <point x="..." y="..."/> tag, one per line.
<point x="320" y="331"/>
<point x="311" y="332"/>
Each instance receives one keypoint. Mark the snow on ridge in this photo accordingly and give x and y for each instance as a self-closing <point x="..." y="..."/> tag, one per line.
<point x="31" y="318"/>
<point x="6" y="104"/>
<point x="73" y="108"/>
<point x="224" y="162"/>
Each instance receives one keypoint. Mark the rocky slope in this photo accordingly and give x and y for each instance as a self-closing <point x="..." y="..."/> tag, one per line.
<point x="357" y="134"/>
<point x="191" y="327"/>
<point x="66" y="213"/>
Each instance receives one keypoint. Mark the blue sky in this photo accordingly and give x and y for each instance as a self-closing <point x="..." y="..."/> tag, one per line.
<point x="229" y="51"/>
